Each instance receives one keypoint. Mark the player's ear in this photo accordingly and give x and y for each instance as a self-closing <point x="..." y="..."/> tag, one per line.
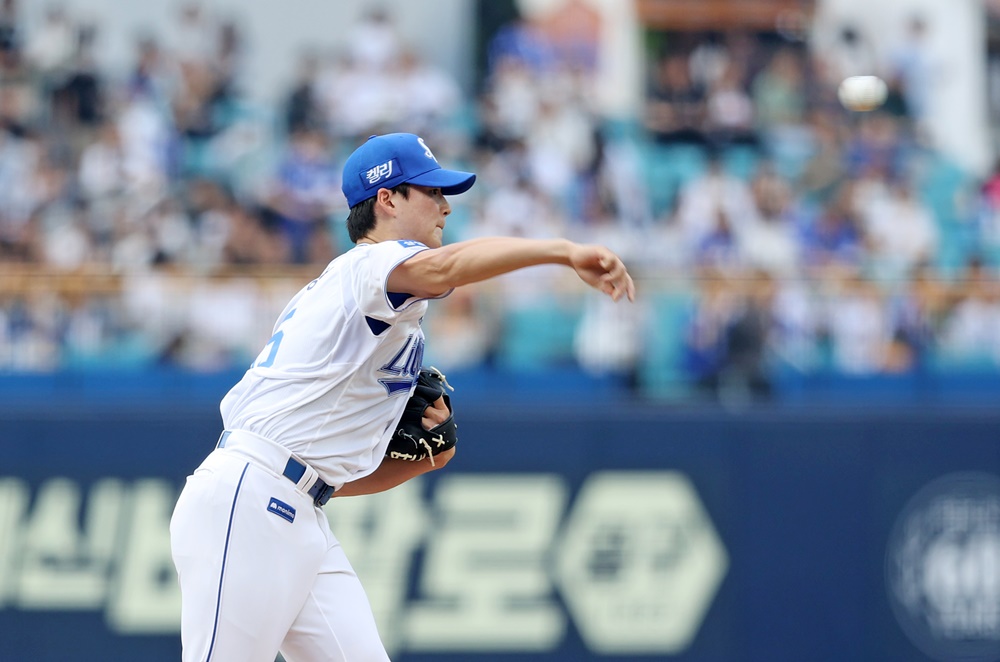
<point x="383" y="200"/>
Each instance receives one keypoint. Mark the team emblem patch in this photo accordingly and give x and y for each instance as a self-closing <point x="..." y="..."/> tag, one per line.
<point x="380" y="173"/>
<point x="281" y="509"/>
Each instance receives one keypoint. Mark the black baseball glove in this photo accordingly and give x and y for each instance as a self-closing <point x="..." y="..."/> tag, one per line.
<point x="411" y="441"/>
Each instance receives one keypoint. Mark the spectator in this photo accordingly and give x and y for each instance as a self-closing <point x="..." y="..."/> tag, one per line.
<point x="676" y="105"/>
<point x="730" y="113"/>
<point x="303" y="108"/>
<point x="780" y="100"/>
<point x="102" y="167"/>
<point x="464" y="331"/>
<point x="172" y="234"/>
<point x="970" y="334"/>
<point x="66" y="243"/>
<point x="51" y="50"/>
<point x="14" y="113"/>
<point x="79" y="100"/>
<point x="608" y="340"/>
<point x="745" y="371"/>
<point x="153" y="76"/>
<point x="902" y="232"/>
<point x="10" y="32"/>
<point x="249" y="242"/>
<point x="858" y="327"/>
<point x="210" y="210"/>
<point x="374" y="44"/>
<point x="778" y="92"/>
<point x="193" y="38"/>
<point x="769" y="240"/>
<point x="19" y="158"/>
<point x="823" y="171"/>
<point x="718" y="250"/>
<point x="834" y="241"/>
<point x="877" y="148"/>
<point x="561" y="148"/>
<point x="912" y="68"/>
<point x="521" y="44"/>
<point x="702" y="198"/>
<point x="427" y="96"/>
<point x="798" y="324"/>
<point x="515" y="99"/>
<point x="705" y="336"/>
<point x="146" y="142"/>
<point x="917" y="310"/>
<point x="227" y="64"/>
<point x="306" y="191"/>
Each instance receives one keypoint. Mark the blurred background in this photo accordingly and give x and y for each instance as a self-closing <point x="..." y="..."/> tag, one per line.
<point x="787" y="448"/>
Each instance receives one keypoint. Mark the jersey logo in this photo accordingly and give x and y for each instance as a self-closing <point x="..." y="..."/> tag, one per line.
<point x="408" y="243"/>
<point x="281" y="509"/>
<point x="403" y="367"/>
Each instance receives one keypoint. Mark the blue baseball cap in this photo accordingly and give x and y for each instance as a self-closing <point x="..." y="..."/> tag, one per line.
<point x="392" y="159"/>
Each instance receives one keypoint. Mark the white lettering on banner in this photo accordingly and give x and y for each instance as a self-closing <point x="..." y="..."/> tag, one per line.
<point x="639" y="562"/>
<point x="147" y="598"/>
<point x="64" y="565"/>
<point x="484" y="584"/>
<point x="13" y="504"/>
<point x="380" y="534"/>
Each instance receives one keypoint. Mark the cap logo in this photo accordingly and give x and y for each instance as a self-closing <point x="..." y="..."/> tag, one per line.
<point x="427" y="150"/>
<point x="379" y="173"/>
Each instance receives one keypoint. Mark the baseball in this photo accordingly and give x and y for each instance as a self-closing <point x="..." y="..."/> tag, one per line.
<point x="862" y="93"/>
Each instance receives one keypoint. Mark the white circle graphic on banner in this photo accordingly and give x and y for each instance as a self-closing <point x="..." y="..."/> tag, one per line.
<point x="943" y="568"/>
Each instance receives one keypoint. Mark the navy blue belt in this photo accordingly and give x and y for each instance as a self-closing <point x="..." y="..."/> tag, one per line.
<point x="294" y="470"/>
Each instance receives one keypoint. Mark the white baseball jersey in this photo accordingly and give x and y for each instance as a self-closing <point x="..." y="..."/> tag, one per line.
<point x="258" y="566"/>
<point x="334" y="378"/>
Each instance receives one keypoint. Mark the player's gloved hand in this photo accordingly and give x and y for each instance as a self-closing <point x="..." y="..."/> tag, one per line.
<point x="413" y="440"/>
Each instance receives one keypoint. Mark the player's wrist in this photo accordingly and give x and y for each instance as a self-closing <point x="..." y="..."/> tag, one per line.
<point x="563" y="251"/>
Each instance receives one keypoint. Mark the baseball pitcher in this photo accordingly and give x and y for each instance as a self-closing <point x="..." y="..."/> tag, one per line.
<point x="337" y="404"/>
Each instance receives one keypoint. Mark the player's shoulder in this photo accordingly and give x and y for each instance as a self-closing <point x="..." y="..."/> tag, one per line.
<point x="395" y="245"/>
<point x="395" y="250"/>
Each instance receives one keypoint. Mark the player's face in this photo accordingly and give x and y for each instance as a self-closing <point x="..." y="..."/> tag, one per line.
<point x="423" y="215"/>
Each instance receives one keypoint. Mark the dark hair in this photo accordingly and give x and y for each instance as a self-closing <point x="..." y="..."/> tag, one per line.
<point x="361" y="219"/>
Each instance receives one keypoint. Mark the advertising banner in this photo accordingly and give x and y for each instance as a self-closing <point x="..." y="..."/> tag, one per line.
<point x="557" y="534"/>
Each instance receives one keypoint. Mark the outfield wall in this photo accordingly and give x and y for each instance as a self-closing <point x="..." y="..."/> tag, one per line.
<point x="634" y="533"/>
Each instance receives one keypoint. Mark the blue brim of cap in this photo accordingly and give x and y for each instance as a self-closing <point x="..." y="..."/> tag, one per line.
<point x="451" y="182"/>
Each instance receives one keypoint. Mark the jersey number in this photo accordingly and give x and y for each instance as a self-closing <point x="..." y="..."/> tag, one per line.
<point x="273" y="343"/>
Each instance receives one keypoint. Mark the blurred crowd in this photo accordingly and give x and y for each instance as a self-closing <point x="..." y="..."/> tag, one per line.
<point x="770" y="229"/>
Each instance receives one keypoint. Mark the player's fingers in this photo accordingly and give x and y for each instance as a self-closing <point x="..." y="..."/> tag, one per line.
<point x="619" y="287"/>
<point x="607" y="285"/>
<point x="629" y="287"/>
<point x="435" y="414"/>
<point x="624" y="287"/>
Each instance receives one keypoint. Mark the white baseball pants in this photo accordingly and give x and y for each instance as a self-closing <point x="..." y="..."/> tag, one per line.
<point x="259" y="569"/>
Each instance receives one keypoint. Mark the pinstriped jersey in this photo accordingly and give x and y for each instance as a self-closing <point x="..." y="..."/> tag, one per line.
<point x="332" y="381"/>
